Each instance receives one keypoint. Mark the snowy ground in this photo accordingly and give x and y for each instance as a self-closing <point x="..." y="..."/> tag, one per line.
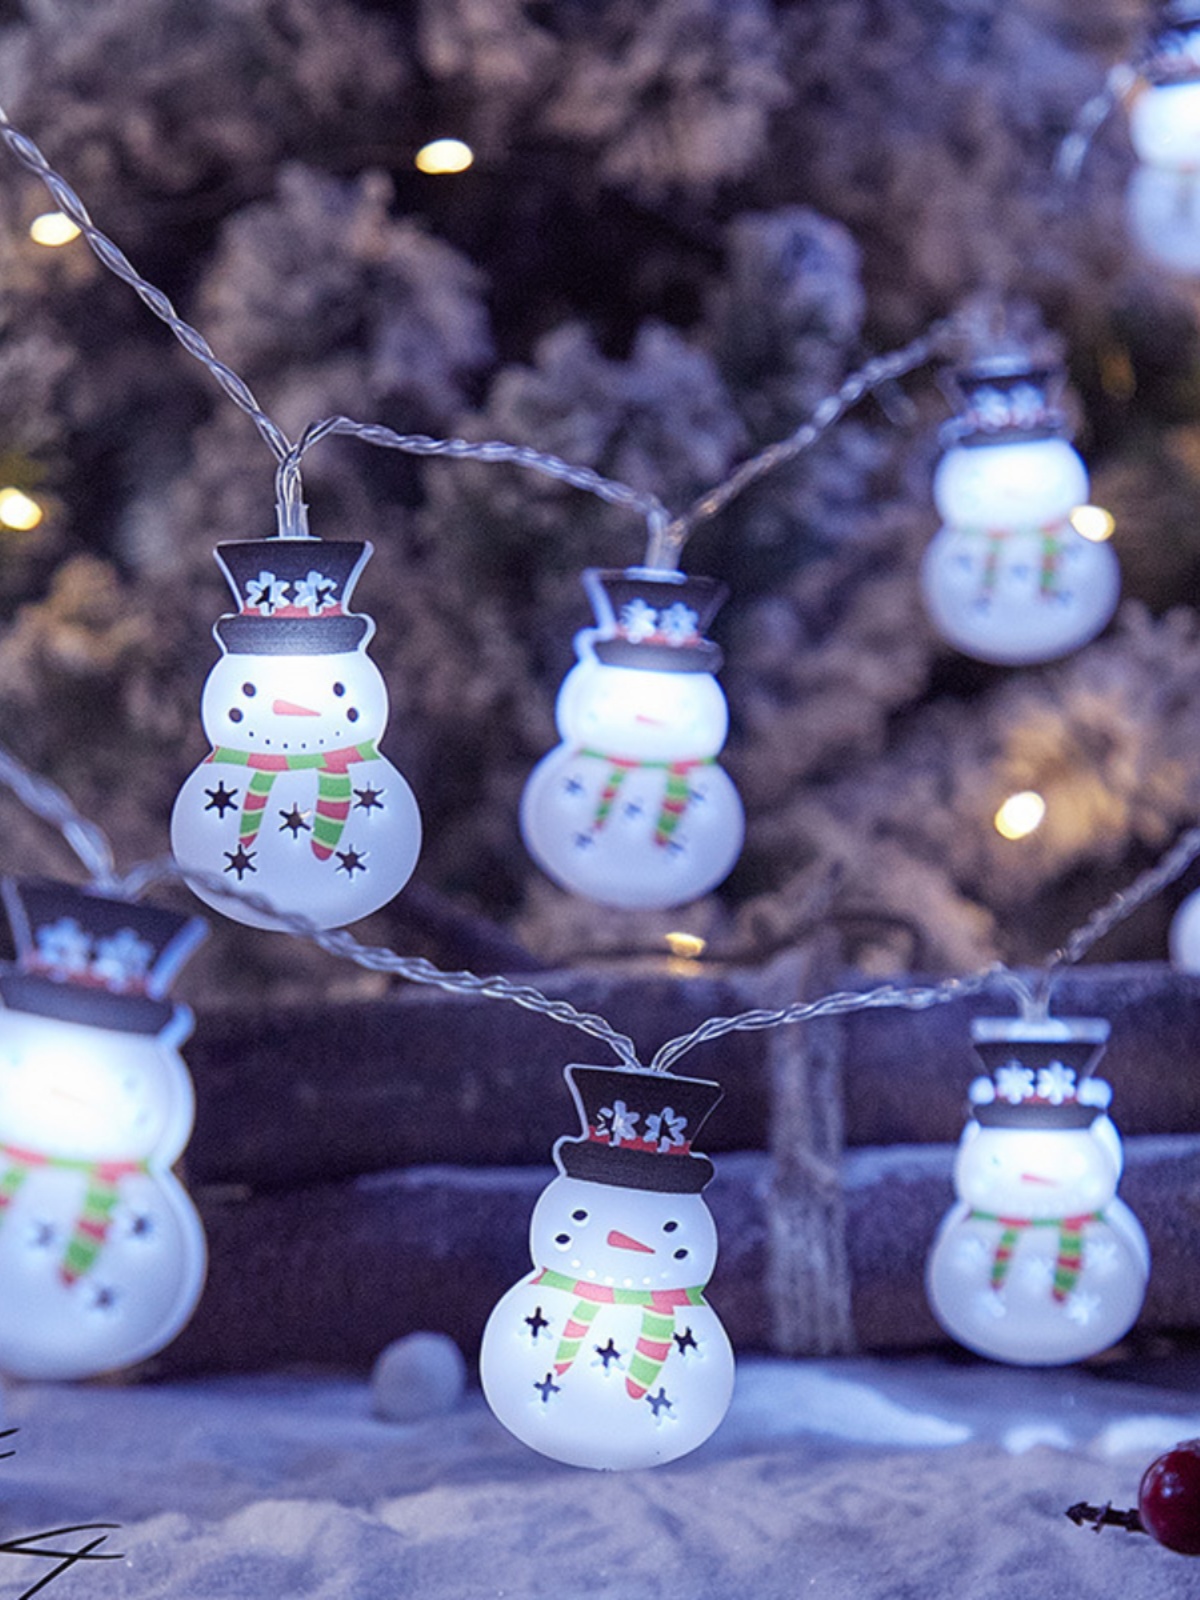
<point x="910" y="1479"/>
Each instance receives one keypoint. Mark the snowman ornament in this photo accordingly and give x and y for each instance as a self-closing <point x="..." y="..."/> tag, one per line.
<point x="1008" y="578"/>
<point x="102" y="1255"/>
<point x="1163" y="198"/>
<point x="1038" y="1263"/>
<point x="295" y="801"/>
<point x="632" y="809"/>
<point x="607" y="1355"/>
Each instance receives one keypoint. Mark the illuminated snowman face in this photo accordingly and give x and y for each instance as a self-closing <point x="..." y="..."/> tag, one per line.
<point x="294" y="704"/>
<point x="624" y="1238"/>
<point x="1164" y="126"/>
<point x="1034" y="1172"/>
<point x="89" y="1094"/>
<point x="1009" y="485"/>
<point x="642" y="715"/>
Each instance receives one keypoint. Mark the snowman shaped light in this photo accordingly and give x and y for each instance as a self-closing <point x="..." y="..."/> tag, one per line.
<point x="102" y="1255"/>
<point x="295" y="802"/>
<point x="632" y="809"/>
<point x="1184" y="937"/>
<point x="608" y="1355"/>
<point x="1008" y="579"/>
<point x="1163" y="198"/>
<point x="1038" y="1263"/>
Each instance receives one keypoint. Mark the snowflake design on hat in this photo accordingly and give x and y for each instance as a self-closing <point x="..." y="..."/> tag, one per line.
<point x="266" y="592"/>
<point x="314" y="592"/>
<point x="63" y="946"/>
<point x="639" y="621"/>
<point x="665" y="1129"/>
<point x="617" y="1121"/>
<point x="123" y="960"/>
<point x="679" y="623"/>
<point x="1056" y="1083"/>
<point x="1014" y="1082"/>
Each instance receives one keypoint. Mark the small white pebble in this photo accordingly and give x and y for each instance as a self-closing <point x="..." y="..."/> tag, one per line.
<point x="421" y="1375"/>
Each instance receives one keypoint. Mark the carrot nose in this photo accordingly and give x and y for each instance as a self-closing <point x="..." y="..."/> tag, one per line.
<point x="289" y="708"/>
<point x="1036" y="1177"/>
<point x="622" y="1241"/>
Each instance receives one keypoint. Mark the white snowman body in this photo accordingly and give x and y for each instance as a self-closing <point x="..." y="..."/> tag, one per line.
<point x="296" y="803"/>
<point x="89" y="1115"/>
<point x="607" y="1355"/>
<point x="1039" y="1263"/>
<point x="1185" y="934"/>
<point x="632" y="809"/>
<point x="1007" y="578"/>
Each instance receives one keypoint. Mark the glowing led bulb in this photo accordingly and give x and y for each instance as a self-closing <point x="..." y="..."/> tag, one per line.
<point x="101" y="1253"/>
<point x="1009" y="578"/>
<point x="632" y="809"/>
<point x="18" y="511"/>
<point x="53" y="228"/>
<point x="1163" y="198"/>
<point x="295" y="802"/>
<point x="1093" y="522"/>
<point x="607" y="1355"/>
<point x="443" y="156"/>
<point x="1038" y="1263"/>
<point x="1020" y="815"/>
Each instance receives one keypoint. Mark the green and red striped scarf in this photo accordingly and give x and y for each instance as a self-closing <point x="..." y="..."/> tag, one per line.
<point x="1051" y="536"/>
<point x="1068" y="1262"/>
<point x="676" y="794"/>
<point x="333" y="789"/>
<point x="654" y="1336"/>
<point x="100" y="1197"/>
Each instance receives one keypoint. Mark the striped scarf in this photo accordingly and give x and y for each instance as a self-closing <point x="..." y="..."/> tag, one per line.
<point x="654" y="1336"/>
<point x="101" y="1193"/>
<point x="1068" y="1262"/>
<point x="676" y="794"/>
<point x="333" y="789"/>
<point x="1051" y="537"/>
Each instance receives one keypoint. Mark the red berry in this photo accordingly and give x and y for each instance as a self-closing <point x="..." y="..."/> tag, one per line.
<point x="1169" y="1498"/>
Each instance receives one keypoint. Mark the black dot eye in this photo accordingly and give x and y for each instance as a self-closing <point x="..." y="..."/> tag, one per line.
<point x="679" y="1254"/>
<point x="249" y="691"/>
<point x="339" y="689"/>
<point x="579" y="1216"/>
<point x="562" y="1240"/>
<point x="352" y="715"/>
<point x="235" y="715"/>
<point x="670" y="1227"/>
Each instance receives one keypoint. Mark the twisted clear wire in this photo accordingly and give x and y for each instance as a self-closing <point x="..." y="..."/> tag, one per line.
<point x="46" y="800"/>
<point x="1072" y="152"/>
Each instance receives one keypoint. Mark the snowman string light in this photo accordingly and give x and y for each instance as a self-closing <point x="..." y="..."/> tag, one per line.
<point x="632" y="808"/>
<point x="1038" y="1263"/>
<point x="1163" y="199"/>
<point x="102" y="1255"/>
<point x="295" y="801"/>
<point x="608" y="1355"/>
<point x="1009" y="578"/>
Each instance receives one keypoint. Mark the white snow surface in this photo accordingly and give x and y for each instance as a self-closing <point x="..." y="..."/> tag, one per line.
<point x="916" y="1478"/>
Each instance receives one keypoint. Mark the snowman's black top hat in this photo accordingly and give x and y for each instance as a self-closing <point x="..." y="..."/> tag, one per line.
<point x="1005" y="398"/>
<point x="1040" y="1072"/>
<point x="1174" y="53"/>
<point x="292" y="595"/>
<point x="84" y="957"/>
<point x="655" y="620"/>
<point x="639" y="1129"/>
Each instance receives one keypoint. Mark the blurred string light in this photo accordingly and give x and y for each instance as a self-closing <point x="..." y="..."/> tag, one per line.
<point x="444" y="155"/>
<point x="18" y="511"/>
<point x="53" y="228"/>
<point x="1020" y="815"/>
<point x="1093" y="522"/>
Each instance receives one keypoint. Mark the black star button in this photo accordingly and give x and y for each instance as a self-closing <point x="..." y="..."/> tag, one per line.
<point x="351" y="861"/>
<point x="537" y="1321"/>
<point x="141" y="1226"/>
<point x="584" y="841"/>
<point x="103" y="1298"/>
<point x="685" y="1340"/>
<point x="368" y="799"/>
<point x="608" y="1352"/>
<point x="572" y="786"/>
<point x="43" y="1235"/>
<point x="294" y="819"/>
<point x="220" y="799"/>
<point x="547" y="1387"/>
<point x="240" y="861"/>
<point x="659" y="1402"/>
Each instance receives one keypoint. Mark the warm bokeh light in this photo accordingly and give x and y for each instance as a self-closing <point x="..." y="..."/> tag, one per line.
<point x="444" y="155"/>
<point x="1093" y="522"/>
<point x="686" y="945"/>
<point x="18" y="511"/>
<point x="1020" y="814"/>
<point x="52" y="228"/>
